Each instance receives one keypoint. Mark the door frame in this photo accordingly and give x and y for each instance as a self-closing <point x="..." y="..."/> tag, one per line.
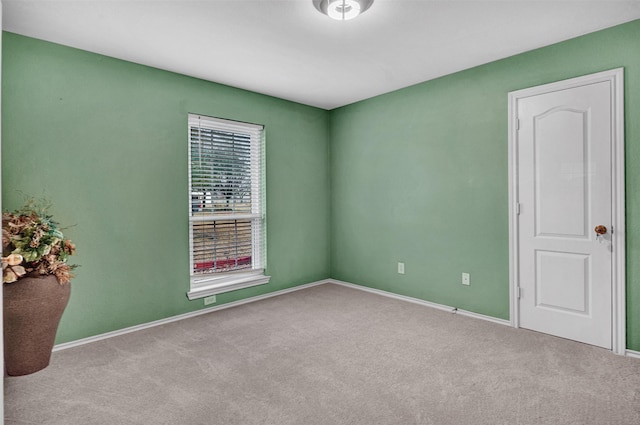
<point x="618" y="278"/>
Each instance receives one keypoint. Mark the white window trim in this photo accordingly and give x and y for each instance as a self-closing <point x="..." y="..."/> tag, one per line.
<point x="205" y="285"/>
<point x="212" y="285"/>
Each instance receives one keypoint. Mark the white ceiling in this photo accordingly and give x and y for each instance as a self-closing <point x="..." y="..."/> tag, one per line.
<point x="287" y="49"/>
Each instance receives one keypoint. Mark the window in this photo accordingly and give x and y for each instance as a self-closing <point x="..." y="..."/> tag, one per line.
<point x="226" y="205"/>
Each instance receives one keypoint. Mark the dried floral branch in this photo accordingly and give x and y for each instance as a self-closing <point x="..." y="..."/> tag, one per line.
<point x="32" y="233"/>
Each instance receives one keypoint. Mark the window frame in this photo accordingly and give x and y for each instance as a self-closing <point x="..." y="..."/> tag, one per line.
<point x="205" y="284"/>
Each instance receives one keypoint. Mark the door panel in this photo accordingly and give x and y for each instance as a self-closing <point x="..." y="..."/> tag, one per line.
<point x="562" y="281"/>
<point x="561" y="159"/>
<point x="564" y="187"/>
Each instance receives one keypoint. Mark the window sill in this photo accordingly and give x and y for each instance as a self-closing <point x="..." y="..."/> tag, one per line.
<point x="201" y="288"/>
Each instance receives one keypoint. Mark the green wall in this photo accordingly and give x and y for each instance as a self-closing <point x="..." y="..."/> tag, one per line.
<point x="420" y="175"/>
<point x="105" y="140"/>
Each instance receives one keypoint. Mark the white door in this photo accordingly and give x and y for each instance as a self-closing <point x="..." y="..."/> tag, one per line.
<point x="564" y="176"/>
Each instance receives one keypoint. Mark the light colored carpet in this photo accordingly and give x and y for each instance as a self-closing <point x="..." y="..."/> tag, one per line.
<point x="329" y="355"/>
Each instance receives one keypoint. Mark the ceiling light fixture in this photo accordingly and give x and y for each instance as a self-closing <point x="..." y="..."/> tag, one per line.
<point x="342" y="10"/>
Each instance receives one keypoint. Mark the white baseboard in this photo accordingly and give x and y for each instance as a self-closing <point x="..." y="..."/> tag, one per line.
<point x="628" y="353"/>
<point x="632" y="353"/>
<point x="63" y="346"/>
<point x="136" y="328"/>
<point x="160" y="322"/>
<point x="422" y="302"/>
<point x="484" y="317"/>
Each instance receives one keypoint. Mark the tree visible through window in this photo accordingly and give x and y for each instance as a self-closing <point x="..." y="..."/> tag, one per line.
<point x="226" y="197"/>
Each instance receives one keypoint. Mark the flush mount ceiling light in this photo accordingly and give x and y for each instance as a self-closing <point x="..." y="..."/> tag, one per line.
<point x="342" y="10"/>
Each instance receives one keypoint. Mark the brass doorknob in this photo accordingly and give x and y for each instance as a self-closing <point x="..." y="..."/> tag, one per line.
<point x="600" y="230"/>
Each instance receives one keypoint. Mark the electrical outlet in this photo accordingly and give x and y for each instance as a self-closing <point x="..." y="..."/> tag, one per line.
<point x="210" y="300"/>
<point x="401" y="268"/>
<point x="466" y="279"/>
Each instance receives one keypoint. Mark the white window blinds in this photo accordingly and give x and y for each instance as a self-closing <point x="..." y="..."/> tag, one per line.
<point x="226" y="207"/>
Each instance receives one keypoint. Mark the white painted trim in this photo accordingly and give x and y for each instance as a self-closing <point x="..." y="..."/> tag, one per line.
<point x="164" y="321"/>
<point x="227" y="283"/>
<point x="616" y="78"/>
<point x="160" y="322"/>
<point x="483" y="317"/>
<point x="632" y="353"/>
<point x="421" y="302"/>
<point x="512" y="149"/>
<point x="618" y="216"/>
<point x="380" y="292"/>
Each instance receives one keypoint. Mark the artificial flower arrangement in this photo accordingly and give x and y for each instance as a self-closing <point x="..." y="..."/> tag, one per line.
<point x="33" y="244"/>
